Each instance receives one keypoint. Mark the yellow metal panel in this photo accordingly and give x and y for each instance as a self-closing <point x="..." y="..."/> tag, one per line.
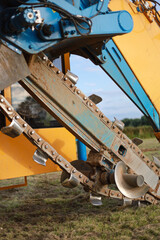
<point x="16" y="154"/>
<point x="141" y="49"/>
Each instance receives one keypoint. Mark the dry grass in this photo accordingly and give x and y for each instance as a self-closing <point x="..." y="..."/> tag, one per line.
<point x="46" y="211"/>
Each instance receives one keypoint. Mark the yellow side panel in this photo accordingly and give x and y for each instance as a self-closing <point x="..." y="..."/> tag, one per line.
<point x="16" y="154"/>
<point x="141" y="49"/>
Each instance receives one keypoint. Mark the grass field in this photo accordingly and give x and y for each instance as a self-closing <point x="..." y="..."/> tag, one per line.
<point x="46" y="211"/>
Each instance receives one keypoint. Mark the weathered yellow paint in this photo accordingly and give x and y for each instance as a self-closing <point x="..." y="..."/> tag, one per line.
<point x="141" y="49"/>
<point x="16" y="154"/>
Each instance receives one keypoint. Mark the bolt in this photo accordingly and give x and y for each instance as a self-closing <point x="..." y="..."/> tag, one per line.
<point x="52" y="65"/>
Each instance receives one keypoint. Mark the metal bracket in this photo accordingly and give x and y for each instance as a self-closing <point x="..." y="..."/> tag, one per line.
<point x="40" y="157"/>
<point x="13" y="130"/>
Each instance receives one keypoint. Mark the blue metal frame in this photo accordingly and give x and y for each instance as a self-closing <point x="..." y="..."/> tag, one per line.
<point x="104" y="24"/>
<point x="113" y="63"/>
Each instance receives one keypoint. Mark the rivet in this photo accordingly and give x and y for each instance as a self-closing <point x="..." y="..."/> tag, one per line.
<point x="97" y="110"/>
<point x="65" y="79"/>
<point x="85" y="98"/>
<point x="66" y="165"/>
<point x="72" y="85"/>
<point x="91" y="104"/>
<point x="17" y="117"/>
<point x="148" y="161"/>
<point x="58" y="72"/>
<point x="87" y="180"/>
<point x="53" y="153"/>
<point x="32" y="132"/>
<point x="51" y="65"/>
<point x="44" y="58"/>
<point x="25" y="125"/>
<point x="106" y="192"/>
<point x="102" y="116"/>
<point x="113" y="127"/>
<point x="46" y="146"/>
<point x="74" y="171"/>
<point x="108" y="121"/>
<point x="39" y="139"/>
<point x="9" y="109"/>
<point x="118" y="132"/>
<point x="80" y="176"/>
<point x="78" y="92"/>
<point x="60" y="160"/>
<point x="2" y="100"/>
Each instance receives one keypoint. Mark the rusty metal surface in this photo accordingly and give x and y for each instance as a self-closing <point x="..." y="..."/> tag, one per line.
<point x="82" y="117"/>
<point x="13" y="67"/>
<point x="47" y="149"/>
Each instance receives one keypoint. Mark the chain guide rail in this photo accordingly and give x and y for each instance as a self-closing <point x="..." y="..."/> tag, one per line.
<point x="151" y="196"/>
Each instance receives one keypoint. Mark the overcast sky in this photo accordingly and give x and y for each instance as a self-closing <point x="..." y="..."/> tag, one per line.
<point x="92" y="79"/>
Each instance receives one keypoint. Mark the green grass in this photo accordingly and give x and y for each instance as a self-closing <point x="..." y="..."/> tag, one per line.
<point x="46" y="211"/>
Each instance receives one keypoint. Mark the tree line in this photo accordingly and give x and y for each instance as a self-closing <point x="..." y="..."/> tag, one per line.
<point x="136" y="122"/>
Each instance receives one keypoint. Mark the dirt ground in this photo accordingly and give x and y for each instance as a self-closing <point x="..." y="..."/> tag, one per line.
<point x="46" y="211"/>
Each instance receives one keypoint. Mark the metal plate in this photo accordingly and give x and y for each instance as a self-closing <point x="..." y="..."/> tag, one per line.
<point x="13" y="67"/>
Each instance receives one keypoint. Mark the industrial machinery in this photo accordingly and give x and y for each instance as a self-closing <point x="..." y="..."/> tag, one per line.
<point x="123" y="38"/>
